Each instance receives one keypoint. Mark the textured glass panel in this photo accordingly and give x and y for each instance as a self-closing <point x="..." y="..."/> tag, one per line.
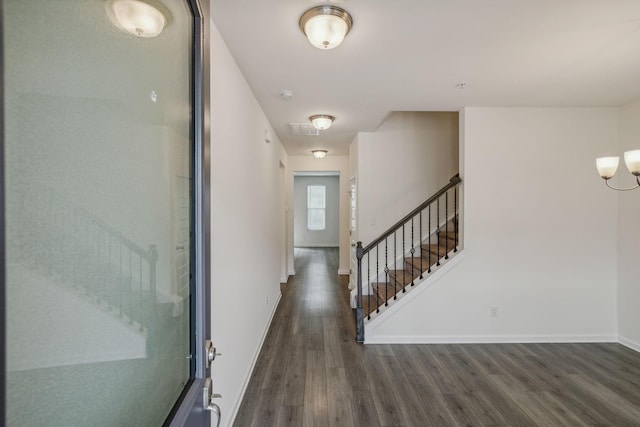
<point x="98" y="171"/>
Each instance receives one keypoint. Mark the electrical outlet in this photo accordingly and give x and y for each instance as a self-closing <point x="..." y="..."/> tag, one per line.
<point x="493" y="312"/>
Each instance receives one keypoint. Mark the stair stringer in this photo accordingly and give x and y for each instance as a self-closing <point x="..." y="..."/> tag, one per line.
<point x="404" y="298"/>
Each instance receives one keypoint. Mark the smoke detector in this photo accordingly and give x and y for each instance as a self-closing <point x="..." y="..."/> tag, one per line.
<point x="286" y="95"/>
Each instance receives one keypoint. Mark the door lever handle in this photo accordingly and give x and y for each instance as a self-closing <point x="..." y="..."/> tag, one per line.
<point x="208" y="397"/>
<point x="213" y="407"/>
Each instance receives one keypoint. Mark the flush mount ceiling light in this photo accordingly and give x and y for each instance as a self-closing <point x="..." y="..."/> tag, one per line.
<point x="321" y="121"/>
<point x="319" y="154"/>
<point x="146" y="18"/>
<point x="326" y="26"/>
<point x="607" y="167"/>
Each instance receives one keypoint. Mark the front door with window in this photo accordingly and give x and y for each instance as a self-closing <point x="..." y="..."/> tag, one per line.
<point x="99" y="119"/>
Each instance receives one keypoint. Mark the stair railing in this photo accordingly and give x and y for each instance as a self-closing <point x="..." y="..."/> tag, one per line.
<point x="434" y="221"/>
<point x="83" y="252"/>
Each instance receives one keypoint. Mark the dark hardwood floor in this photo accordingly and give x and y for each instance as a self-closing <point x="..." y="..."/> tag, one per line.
<point x="311" y="372"/>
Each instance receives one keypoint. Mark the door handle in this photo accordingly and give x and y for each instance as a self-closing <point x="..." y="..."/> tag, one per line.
<point x="353" y="245"/>
<point x="208" y="398"/>
<point x="213" y="407"/>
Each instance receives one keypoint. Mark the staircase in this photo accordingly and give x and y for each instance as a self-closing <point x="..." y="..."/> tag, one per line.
<point x="78" y="252"/>
<point x="415" y="269"/>
<point x="405" y="254"/>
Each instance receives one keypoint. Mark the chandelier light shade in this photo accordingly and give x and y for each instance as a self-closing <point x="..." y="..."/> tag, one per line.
<point x="322" y="121"/>
<point x="607" y="167"/>
<point x="145" y="19"/>
<point x="632" y="160"/>
<point x="326" y="26"/>
<point x="319" y="154"/>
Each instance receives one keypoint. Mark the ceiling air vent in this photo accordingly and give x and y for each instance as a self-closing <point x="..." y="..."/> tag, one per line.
<point x="303" y="129"/>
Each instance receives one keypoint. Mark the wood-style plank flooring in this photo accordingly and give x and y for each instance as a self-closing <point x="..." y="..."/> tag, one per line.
<point x="311" y="372"/>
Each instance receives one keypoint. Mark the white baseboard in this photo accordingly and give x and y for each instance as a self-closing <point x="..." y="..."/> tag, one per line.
<point x="238" y="402"/>
<point x="292" y="272"/>
<point x="629" y="343"/>
<point x="489" y="339"/>
<point x="344" y="271"/>
<point x="284" y="280"/>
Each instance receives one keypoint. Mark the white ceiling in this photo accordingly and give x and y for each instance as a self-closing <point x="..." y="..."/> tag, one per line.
<point x="408" y="55"/>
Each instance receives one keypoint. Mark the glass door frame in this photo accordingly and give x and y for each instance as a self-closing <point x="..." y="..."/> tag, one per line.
<point x="189" y="410"/>
<point x="3" y="275"/>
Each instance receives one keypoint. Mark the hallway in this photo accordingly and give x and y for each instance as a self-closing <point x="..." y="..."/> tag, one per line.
<point x="311" y="372"/>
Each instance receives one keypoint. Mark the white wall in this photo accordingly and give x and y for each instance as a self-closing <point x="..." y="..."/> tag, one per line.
<point x="330" y="236"/>
<point x="628" y="233"/>
<point x="540" y="235"/>
<point x="102" y="338"/>
<point x="245" y="210"/>
<point x="328" y="164"/>
<point x="407" y="159"/>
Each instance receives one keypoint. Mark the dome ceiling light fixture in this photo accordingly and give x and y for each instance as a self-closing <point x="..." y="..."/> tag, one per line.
<point x="321" y="121"/>
<point x="326" y="26"/>
<point x="319" y="154"/>
<point x="145" y="19"/>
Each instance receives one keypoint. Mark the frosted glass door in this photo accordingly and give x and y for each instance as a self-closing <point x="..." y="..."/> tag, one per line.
<point x="98" y="169"/>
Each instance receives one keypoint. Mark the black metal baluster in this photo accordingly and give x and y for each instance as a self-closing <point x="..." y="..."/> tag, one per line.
<point x="369" y="287"/>
<point x="420" y="246"/>
<point x="404" y="267"/>
<point x="412" y="252"/>
<point x="446" y="225"/>
<point x="395" y="275"/>
<point x="455" y="217"/>
<point x="386" y="265"/>
<point x="377" y="297"/>
<point x="429" y="240"/>
<point x="438" y="229"/>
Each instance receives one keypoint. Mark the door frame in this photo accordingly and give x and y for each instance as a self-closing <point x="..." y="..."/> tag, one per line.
<point x="353" y="231"/>
<point x="3" y="275"/>
<point x="189" y="410"/>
